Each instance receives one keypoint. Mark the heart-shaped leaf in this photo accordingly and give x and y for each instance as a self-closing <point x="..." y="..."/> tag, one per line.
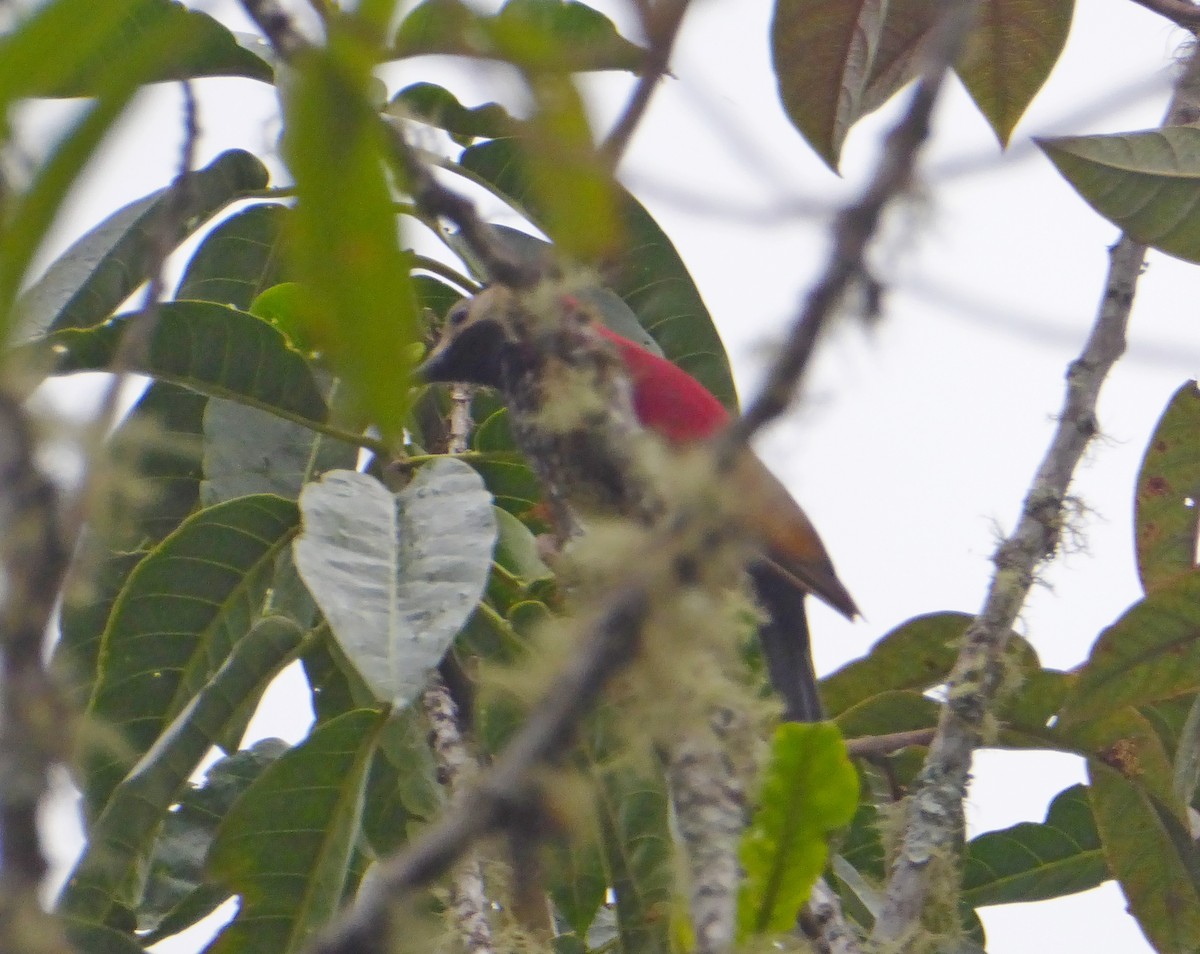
<point x="397" y="575"/>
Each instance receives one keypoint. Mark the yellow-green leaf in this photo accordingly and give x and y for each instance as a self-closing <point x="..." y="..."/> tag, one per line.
<point x="810" y="790"/>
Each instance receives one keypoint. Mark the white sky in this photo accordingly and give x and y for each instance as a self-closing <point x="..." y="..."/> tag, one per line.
<point x="917" y="439"/>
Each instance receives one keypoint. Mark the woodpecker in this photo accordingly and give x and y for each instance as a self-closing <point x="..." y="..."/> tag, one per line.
<point x="479" y="346"/>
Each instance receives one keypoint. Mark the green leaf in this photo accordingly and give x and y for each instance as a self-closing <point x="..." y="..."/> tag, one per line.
<point x="1032" y="862"/>
<point x="1152" y="857"/>
<point x="517" y="549"/>
<point x="512" y="483"/>
<point x="1009" y="55"/>
<point x="182" y="611"/>
<point x="206" y="49"/>
<point x="291" y="873"/>
<point x="894" y="710"/>
<point x="537" y="35"/>
<point x="121" y="836"/>
<point x="1146" y="183"/>
<point x="1152" y="652"/>
<point x="822" y="53"/>
<point x="648" y="274"/>
<point x="1124" y="740"/>
<point x="809" y="791"/>
<point x="397" y="575"/>
<point x="1168" y="493"/>
<point x="84" y="285"/>
<point x="917" y="654"/>
<point x="248" y="451"/>
<point x="178" y="893"/>
<point x="213" y="349"/>
<point x="239" y="259"/>
<point x="362" y="307"/>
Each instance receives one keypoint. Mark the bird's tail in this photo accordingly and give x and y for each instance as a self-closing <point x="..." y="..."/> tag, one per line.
<point x="785" y="643"/>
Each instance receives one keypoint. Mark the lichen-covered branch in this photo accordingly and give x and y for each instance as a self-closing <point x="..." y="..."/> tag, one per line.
<point x="934" y="819"/>
<point x="710" y="808"/>
<point x="33" y="560"/>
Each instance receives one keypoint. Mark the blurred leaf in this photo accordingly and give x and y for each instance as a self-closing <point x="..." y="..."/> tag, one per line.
<point x="362" y="307"/>
<point x="649" y="274"/>
<point x="99" y="939"/>
<point x="1145" y="183"/>
<point x="439" y="107"/>
<point x="182" y="611"/>
<point x="396" y="575"/>
<point x="809" y="790"/>
<point x="822" y="53"/>
<point x="213" y="349"/>
<point x="239" y="259"/>
<point x="89" y="281"/>
<point x="1153" y="859"/>
<point x="178" y="894"/>
<point x="1032" y="862"/>
<point x="291" y="876"/>
<point x="549" y="35"/>
<point x="122" y="835"/>
<point x="156" y="452"/>
<point x="1152" y="652"/>
<point x="248" y="451"/>
<point x="1009" y="55"/>
<point x="160" y="42"/>
<point x="205" y="48"/>
<point x="917" y="654"/>
<point x="1168" y="493"/>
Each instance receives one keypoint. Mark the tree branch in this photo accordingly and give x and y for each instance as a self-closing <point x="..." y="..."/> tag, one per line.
<point x="934" y="811"/>
<point x="873" y="746"/>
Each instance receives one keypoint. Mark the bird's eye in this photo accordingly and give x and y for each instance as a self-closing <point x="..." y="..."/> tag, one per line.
<point x="458" y="315"/>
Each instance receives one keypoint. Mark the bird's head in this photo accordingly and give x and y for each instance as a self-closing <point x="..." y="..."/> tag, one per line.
<point x="477" y="344"/>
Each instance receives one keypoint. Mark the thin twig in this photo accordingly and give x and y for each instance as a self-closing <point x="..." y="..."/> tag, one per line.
<point x="661" y="25"/>
<point x="855" y="226"/>
<point x="934" y="813"/>
<point x="873" y="746"/>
